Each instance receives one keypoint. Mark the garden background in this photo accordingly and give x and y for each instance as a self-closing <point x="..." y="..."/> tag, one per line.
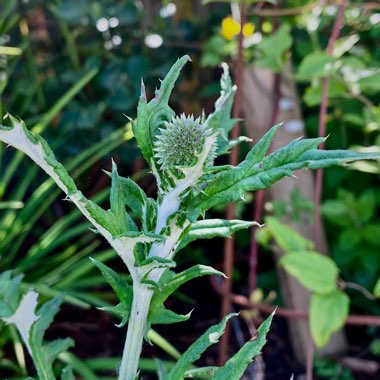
<point x="72" y="70"/>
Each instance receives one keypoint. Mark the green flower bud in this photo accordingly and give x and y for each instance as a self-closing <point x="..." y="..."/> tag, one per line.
<point x="180" y="141"/>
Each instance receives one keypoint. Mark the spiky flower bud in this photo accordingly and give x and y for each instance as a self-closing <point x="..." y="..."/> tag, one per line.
<point x="180" y="141"/>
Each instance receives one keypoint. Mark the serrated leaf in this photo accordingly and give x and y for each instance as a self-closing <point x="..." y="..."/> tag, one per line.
<point x="250" y="175"/>
<point x="163" y="316"/>
<point x="117" y="202"/>
<point x="314" y="271"/>
<point x="32" y="325"/>
<point x="260" y="149"/>
<point x="210" y="228"/>
<point x="33" y="145"/>
<point x="46" y="314"/>
<point x="142" y="206"/>
<point x="221" y="119"/>
<point x="203" y="373"/>
<point x="44" y="353"/>
<point x="100" y="216"/>
<point x="328" y="313"/>
<point x="150" y="116"/>
<point x="122" y="288"/>
<point x="193" y="353"/>
<point x="171" y="284"/>
<point x="236" y="366"/>
<point x="286" y="237"/>
<point x="158" y="260"/>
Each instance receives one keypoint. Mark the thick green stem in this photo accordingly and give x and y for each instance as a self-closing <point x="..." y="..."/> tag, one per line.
<point x="135" y="335"/>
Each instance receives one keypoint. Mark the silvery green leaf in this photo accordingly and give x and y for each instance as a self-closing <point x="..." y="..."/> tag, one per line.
<point x="193" y="353"/>
<point x="221" y="118"/>
<point x="172" y="281"/>
<point x="32" y="324"/>
<point x="203" y="373"/>
<point x="210" y="228"/>
<point x="117" y="202"/>
<point x="38" y="150"/>
<point x="236" y="366"/>
<point x="121" y="287"/>
<point x="256" y="172"/>
<point x="143" y="207"/>
<point x="150" y="116"/>
<point x="34" y="146"/>
<point x="164" y="316"/>
<point x="44" y="353"/>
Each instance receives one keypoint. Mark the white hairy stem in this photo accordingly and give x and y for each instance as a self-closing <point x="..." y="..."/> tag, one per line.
<point x="136" y="331"/>
<point x="141" y="295"/>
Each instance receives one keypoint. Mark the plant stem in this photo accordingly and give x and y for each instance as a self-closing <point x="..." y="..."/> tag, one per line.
<point x="136" y="330"/>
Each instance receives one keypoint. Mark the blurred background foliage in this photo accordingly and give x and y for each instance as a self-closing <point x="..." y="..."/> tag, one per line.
<point x="72" y="70"/>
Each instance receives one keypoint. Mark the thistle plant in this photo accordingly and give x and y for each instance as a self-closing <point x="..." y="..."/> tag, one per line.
<point x="147" y="233"/>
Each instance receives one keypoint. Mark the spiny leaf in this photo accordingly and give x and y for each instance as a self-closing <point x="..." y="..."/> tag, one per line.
<point x="117" y="201"/>
<point x="210" y="228"/>
<point x="46" y="314"/>
<point x="193" y="353"/>
<point x="159" y="260"/>
<point x="171" y="282"/>
<point x="38" y="150"/>
<point x="100" y="216"/>
<point x="135" y="198"/>
<point x="252" y="174"/>
<point x="123" y="290"/>
<point x="120" y="285"/>
<point x="221" y="118"/>
<point x="163" y="316"/>
<point x="259" y="150"/>
<point x="236" y="366"/>
<point x="151" y="116"/>
<point x="43" y="353"/>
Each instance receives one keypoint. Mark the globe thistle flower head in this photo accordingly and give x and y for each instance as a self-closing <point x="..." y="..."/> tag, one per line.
<point x="180" y="141"/>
